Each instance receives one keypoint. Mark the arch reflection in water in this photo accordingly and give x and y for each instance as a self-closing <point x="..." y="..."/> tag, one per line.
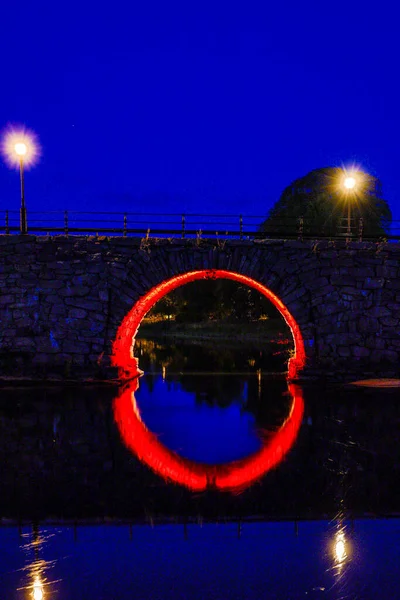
<point x="196" y="476"/>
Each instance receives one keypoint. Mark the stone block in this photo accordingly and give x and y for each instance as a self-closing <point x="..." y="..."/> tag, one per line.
<point x="388" y="321"/>
<point x="329" y="308"/>
<point x="378" y="311"/>
<point x="97" y="348"/>
<point x="24" y="322"/>
<point x="392" y="284"/>
<point x="75" y="347"/>
<point x="77" y="313"/>
<point x="24" y="343"/>
<point x="323" y="291"/>
<point x="86" y="303"/>
<point x="47" y="343"/>
<point x="386" y="271"/>
<point x="391" y="356"/>
<point x="75" y="290"/>
<point x="42" y="358"/>
<point x="363" y="272"/>
<point x="344" y="351"/>
<point x="51" y="284"/>
<point x="98" y="317"/>
<point x="59" y="310"/>
<point x="368" y="325"/>
<point x="372" y="283"/>
<point x="342" y="280"/>
<point x="85" y="279"/>
<point x="294" y="294"/>
<point x="374" y="341"/>
<point x="319" y="282"/>
<point x="360" y="351"/>
<point x="78" y="324"/>
<point x="103" y="295"/>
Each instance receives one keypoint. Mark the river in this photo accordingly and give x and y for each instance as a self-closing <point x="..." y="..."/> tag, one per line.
<point x="208" y="478"/>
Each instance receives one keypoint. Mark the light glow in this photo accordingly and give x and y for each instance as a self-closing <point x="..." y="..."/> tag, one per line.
<point x="233" y="476"/>
<point x="20" y="144"/>
<point x="37" y="593"/>
<point x="340" y="550"/>
<point x="340" y="554"/>
<point x="350" y="183"/>
<point x="123" y="346"/>
<point x="20" y="149"/>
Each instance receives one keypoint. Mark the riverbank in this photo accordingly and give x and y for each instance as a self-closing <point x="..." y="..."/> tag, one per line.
<point x="272" y="331"/>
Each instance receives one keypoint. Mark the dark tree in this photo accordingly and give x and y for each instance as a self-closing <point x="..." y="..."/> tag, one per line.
<point x="321" y="201"/>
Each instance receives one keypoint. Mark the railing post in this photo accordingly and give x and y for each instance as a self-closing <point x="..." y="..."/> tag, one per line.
<point x="300" y="229"/>
<point x="183" y="226"/>
<point x="125" y="224"/>
<point x="66" y="222"/>
<point x="241" y="226"/>
<point x="7" y="224"/>
<point x="360" y="229"/>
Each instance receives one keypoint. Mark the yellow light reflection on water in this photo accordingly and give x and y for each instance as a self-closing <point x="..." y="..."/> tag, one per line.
<point x="340" y="551"/>
<point x="340" y="548"/>
<point x="37" y="593"/>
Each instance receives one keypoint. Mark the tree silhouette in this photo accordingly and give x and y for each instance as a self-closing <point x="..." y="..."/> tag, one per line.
<point x="320" y="200"/>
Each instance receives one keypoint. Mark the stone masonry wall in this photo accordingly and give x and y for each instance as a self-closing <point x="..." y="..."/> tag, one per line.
<point x="62" y="298"/>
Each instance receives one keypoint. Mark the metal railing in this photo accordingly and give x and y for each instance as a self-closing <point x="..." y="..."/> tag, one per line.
<point x="187" y="225"/>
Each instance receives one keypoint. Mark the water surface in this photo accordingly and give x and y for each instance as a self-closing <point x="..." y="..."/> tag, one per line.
<point x="88" y="516"/>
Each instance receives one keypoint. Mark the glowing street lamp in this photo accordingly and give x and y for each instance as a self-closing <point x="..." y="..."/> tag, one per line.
<point x="21" y="150"/>
<point x="350" y="184"/>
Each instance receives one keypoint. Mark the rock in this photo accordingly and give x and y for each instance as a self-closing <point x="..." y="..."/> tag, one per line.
<point x="77" y="313"/>
<point x="360" y="351"/>
<point x="74" y="290"/>
<point x="343" y="351"/>
<point x="368" y="324"/>
<point x="85" y="303"/>
<point x="75" y="347"/>
<point x="371" y="283"/>
<point x="103" y="295"/>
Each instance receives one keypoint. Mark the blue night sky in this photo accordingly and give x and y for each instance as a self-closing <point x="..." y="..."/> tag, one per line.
<point x="194" y="107"/>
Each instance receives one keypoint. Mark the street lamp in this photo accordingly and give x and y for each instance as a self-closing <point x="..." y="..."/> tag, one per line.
<point x="350" y="184"/>
<point x="21" y="150"/>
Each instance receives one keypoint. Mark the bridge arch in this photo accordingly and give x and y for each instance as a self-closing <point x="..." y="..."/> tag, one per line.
<point x="123" y="345"/>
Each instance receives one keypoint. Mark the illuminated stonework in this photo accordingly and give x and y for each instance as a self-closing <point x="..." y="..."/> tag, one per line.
<point x="123" y="347"/>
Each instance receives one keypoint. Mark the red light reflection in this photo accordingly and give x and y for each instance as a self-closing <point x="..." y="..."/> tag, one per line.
<point x="232" y="476"/>
<point x="123" y="354"/>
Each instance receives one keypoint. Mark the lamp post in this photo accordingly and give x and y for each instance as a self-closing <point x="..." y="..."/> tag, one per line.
<point x="21" y="150"/>
<point x="350" y="185"/>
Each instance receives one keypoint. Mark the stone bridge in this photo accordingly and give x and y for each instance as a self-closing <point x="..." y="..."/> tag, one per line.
<point x="70" y="306"/>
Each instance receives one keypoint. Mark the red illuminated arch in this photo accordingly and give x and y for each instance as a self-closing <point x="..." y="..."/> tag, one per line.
<point x="123" y="356"/>
<point x="232" y="476"/>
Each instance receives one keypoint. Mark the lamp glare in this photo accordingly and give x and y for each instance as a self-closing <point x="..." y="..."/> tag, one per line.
<point x="20" y="149"/>
<point x="350" y="183"/>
